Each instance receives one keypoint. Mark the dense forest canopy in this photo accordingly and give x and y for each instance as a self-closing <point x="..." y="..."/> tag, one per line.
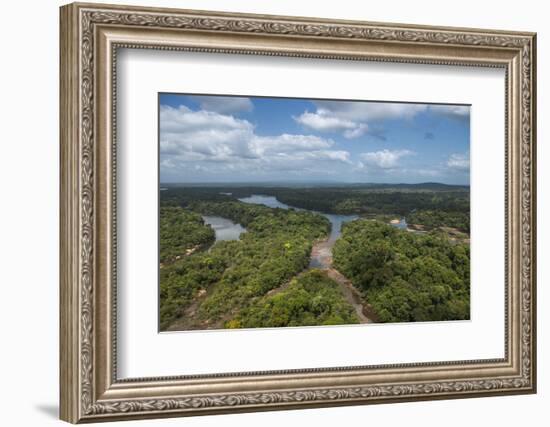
<point x="311" y="299"/>
<point x="405" y="276"/>
<point x="181" y="231"/>
<point x="232" y="274"/>
<point x="263" y="280"/>
<point x="441" y="218"/>
<point x="430" y="205"/>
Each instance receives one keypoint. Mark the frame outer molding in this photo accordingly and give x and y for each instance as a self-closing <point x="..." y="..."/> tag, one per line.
<point x="69" y="221"/>
<point x="89" y="388"/>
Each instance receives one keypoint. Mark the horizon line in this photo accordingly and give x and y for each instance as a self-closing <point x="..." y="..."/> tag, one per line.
<point x="311" y="182"/>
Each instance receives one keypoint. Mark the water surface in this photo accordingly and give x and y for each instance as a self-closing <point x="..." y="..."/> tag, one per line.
<point x="269" y="201"/>
<point x="224" y="228"/>
<point x="402" y="224"/>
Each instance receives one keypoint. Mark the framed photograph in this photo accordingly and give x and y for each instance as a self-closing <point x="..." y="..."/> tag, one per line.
<point x="266" y="212"/>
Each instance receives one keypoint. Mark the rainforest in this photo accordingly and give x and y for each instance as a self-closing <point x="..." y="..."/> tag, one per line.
<point x="249" y="255"/>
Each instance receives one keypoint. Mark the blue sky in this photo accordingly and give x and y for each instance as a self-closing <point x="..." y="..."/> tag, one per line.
<point x="251" y="139"/>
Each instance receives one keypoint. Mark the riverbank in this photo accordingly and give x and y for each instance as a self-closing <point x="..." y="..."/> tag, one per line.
<point x="321" y="258"/>
<point x="364" y="311"/>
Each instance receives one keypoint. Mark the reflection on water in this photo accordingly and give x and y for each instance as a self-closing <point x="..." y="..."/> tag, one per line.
<point x="336" y="222"/>
<point x="224" y="228"/>
<point x="402" y="224"/>
<point x="269" y="201"/>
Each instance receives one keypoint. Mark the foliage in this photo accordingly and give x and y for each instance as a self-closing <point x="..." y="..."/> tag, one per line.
<point x="434" y="219"/>
<point x="181" y="230"/>
<point x="368" y="201"/>
<point x="403" y="275"/>
<point x="430" y="204"/>
<point x="311" y="299"/>
<point x="181" y="282"/>
<point x="406" y="276"/>
<point x="275" y="247"/>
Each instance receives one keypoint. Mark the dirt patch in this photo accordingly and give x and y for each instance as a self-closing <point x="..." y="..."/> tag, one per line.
<point x="353" y="297"/>
<point x="321" y="257"/>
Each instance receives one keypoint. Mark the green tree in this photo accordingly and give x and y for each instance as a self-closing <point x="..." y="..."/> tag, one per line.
<point x="406" y="276"/>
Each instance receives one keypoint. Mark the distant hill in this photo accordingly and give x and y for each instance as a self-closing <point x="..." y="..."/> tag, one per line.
<point x="426" y="186"/>
<point x="432" y="186"/>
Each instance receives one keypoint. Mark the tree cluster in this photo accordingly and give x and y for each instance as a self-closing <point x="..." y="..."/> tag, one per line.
<point x="435" y="219"/>
<point x="181" y="230"/>
<point x="211" y="286"/>
<point x="405" y="276"/>
<point x="311" y="299"/>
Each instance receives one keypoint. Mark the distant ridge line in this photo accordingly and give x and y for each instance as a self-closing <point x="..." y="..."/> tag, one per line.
<point x="425" y="185"/>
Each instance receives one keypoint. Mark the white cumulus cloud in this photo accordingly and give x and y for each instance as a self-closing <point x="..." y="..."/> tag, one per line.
<point x="288" y="143"/>
<point x="359" y="130"/>
<point x="352" y="118"/>
<point x="459" y="161"/>
<point x="369" y="111"/>
<point x="211" y="142"/>
<point x="384" y="159"/>
<point x="203" y="134"/>
<point x="322" y="122"/>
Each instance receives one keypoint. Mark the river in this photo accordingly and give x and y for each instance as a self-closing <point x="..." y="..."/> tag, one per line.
<point x="336" y="220"/>
<point x="224" y="228"/>
<point x="321" y="255"/>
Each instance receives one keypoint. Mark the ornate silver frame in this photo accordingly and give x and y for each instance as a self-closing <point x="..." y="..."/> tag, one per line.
<point x="90" y="36"/>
